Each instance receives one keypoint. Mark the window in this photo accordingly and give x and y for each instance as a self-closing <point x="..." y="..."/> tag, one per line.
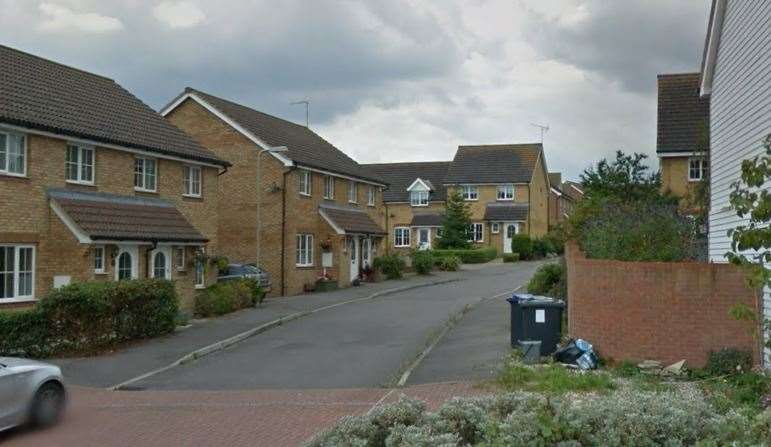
<point x="401" y="237"/>
<point x="329" y="187"/>
<point x="371" y="196"/>
<point x="17" y="272"/>
<point x="304" y="250"/>
<point x="506" y="192"/>
<point x="305" y="183"/>
<point x="98" y="259"/>
<point x="695" y="169"/>
<point x="192" y="180"/>
<point x="179" y="258"/>
<point x="496" y="228"/>
<point x="200" y="275"/>
<point x="160" y="269"/>
<point x="419" y="198"/>
<point x="144" y="174"/>
<point x="476" y="232"/>
<point x="13" y="154"/>
<point x="79" y="164"/>
<point x="125" y="266"/>
<point x="469" y="192"/>
<point x="353" y="192"/>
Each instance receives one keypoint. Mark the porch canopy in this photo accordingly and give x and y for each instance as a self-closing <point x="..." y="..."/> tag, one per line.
<point x="100" y="217"/>
<point x="348" y="220"/>
<point x="427" y="220"/>
<point x="506" y="212"/>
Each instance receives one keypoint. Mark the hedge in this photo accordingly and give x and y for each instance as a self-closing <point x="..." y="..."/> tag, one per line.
<point x="85" y="317"/>
<point x="391" y="265"/>
<point x="473" y="256"/>
<point x="225" y="297"/>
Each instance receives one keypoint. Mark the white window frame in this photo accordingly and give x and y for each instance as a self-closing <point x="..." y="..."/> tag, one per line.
<point x="353" y="192"/>
<point x="505" y="193"/>
<point x="189" y="182"/>
<point x="304" y="250"/>
<point x="166" y="262"/>
<point x="305" y="187"/>
<point x="16" y="297"/>
<point x="700" y="160"/>
<point x="329" y="187"/>
<point x="99" y="253"/>
<point x="470" y="193"/>
<point x="495" y="228"/>
<point x="402" y="237"/>
<point x="199" y="274"/>
<point x="79" y="164"/>
<point x="6" y="154"/>
<point x="371" y="196"/>
<point x="473" y="232"/>
<point x="419" y="198"/>
<point x="143" y="161"/>
<point x="179" y="261"/>
<point x="133" y="251"/>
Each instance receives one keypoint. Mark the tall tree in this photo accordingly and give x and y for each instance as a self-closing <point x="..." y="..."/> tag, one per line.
<point x="626" y="178"/>
<point x="455" y="223"/>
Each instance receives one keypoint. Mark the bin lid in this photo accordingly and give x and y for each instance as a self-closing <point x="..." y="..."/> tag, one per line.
<point x="542" y="301"/>
<point x="520" y="298"/>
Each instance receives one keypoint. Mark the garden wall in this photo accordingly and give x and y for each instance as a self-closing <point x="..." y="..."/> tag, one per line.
<point x="664" y="311"/>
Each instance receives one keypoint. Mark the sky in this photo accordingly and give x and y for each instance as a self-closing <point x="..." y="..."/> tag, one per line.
<point x="394" y="80"/>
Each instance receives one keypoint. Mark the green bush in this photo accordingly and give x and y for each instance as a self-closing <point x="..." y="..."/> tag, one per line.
<point x="542" y="247"/>
<point x="510" y="257"/>
<point x="522" y="244"/>
<point x="448" y="263"/>
<point x="728" y="361"/>
<point x="556" y="238"/>
<point x="422" y="261"/>
<point x="225" y="297"/>
<point x="84" y="317"/>
<point x="473" y="256"/>
<point x="548" y="280"/>
<point x="391" y="265"/>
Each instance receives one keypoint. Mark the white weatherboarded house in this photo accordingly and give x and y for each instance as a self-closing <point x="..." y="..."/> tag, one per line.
<point x="736" y="73"/>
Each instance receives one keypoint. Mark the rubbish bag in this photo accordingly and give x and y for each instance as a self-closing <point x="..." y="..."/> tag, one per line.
<point x="577" y="352"/>
<point x="569" y="353"/>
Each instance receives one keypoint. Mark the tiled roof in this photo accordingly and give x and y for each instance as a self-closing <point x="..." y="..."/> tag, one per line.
<point x="112" y="217"/>
<point x="500" y="163"/>
<point x="350" y="220"/>
<point x="426" y="220"/>
<point x="401" y="175"/>
<point x="306" y="147"/>
<point x="44" y="95"/>
<point x="506" y="211"/>
<point x="683" y="116"/>
<point x="573" y="190"/>
<point x="555" y="179"/>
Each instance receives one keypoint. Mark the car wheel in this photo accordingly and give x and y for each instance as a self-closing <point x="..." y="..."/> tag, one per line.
<point x="47" y="405"/>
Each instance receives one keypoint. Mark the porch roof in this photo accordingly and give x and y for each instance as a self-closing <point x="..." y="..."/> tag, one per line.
<point x="506" y="211"/>
<point x="347" y="220"/>
<point x="426" y="220"/>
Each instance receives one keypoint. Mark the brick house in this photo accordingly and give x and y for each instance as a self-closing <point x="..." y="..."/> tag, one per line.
<point x="95" y="185"/>
<point x="506" y="186"/>
<point x="563" y="197"/>
<point x="291" y="202"/>
<point x="682" y="142"/>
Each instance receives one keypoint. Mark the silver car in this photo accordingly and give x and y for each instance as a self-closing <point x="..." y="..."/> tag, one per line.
<point x="30" y="392"/>
<point x="241" y="271"/>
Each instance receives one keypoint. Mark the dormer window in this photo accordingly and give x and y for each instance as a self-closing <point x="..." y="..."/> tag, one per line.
<point x="419" y="198"/>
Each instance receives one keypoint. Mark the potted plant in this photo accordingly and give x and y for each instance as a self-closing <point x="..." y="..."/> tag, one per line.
<point x="368" y="274"/>
<point x="325" y="283"/>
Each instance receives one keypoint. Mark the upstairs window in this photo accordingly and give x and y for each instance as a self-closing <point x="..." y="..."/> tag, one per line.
<point x="695" y="169"/>
<point x="192" y="181"/>
<point x="13" y="154"/>
<point x="419" y="198"/>
<point x="469" y="192"/>
<point x="329" y="187"/>
<point x="305" y="183"/>
<point x="145" y="174"/>
<point x="79" y="164"/>
<point x="371" y="196"/>
<point x="353" y="192"/>
<point x="506" y="192"/>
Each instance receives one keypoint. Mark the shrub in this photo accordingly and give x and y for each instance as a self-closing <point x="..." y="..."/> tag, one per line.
<point x="728" y="361"/>
<point x="449" y="263"/>
<point x="225" y="297"/>
<point x="546" y="280"/>
<point x="522" y="244"/>
<point x="84" y="317"/>
<point x="510" y="257"/>
<point x="422" y="261"/>
<point x="391" y="265"/>
<point x="556" y="238"/>
<point x="541" y="248"/>
<point x="473" y="256"/>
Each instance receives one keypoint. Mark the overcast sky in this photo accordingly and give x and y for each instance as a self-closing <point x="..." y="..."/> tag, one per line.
<point x="393" y="80"/>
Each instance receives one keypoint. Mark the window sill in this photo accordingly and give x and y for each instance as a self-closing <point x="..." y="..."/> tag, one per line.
<point x="10" y="175"/>
<point x="148" y="191"/>
<point x="353" y="203"/>
<point x="694" y="180"/>
<point x="505" y="200"/>
<point x="303" y="266"/>
<point x="17" y="300"/>
<point x="200" y="286"/>
<point x="402" y="246"/>
<point x="191" y="196"/>
<point x="329" y="198"/>
<point x="417" y="206"/>
<point x="471" y="200"/>
<point x="302" y="194"/>
<point x="77" y="182"/>
<point x="102" y="273"/>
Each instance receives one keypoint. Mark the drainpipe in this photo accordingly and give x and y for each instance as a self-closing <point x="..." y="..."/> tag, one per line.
<point x="283" y="230"/>
<point x="387" y="247"/>
<point x="529" y="209"/>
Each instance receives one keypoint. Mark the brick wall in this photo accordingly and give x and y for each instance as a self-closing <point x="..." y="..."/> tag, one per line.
<point x="655" y="310"/>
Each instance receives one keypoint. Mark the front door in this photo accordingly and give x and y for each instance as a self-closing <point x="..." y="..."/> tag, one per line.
<point x="509" y="230"/>
<point x="353" y="249"/>
<point x="424" y="238"/>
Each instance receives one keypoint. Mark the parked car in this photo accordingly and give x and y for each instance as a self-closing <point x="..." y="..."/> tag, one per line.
<point x="30" y="392"/>
<point x="241" y="271"/>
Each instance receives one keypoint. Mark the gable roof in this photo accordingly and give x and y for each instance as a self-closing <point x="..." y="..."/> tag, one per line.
<point x="305" y="147"/>
<point x="683" y="115"/>
<point x="498" y="163"/>
<point x="43" y="95"/>
<point x="555" y="179"/>
<point x="401" y="175"/>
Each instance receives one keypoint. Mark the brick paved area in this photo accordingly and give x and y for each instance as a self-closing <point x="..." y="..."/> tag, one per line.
<point x="202" y="418"/>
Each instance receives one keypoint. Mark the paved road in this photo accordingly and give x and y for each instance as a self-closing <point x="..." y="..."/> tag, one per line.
<point x="367" y="344"/>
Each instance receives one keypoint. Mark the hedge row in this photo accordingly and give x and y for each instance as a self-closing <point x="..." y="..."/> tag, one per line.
<point x="225" y="297"/>
<point x="85" y="317"/>
<point x="473" y="256"/>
